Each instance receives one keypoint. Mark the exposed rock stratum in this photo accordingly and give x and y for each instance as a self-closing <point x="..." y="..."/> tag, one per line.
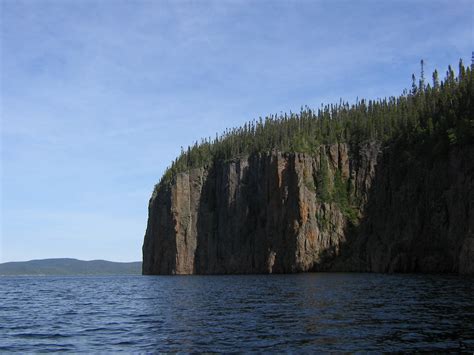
<point x="266" y="213"/>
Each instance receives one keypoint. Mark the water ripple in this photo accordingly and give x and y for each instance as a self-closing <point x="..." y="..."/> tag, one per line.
<point x="283" y="313"/>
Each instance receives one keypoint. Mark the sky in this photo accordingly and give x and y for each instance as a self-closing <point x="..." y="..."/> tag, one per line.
<point x="98" y="97"/>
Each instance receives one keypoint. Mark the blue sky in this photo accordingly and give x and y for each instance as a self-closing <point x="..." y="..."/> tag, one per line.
<point x="97" y="97"/>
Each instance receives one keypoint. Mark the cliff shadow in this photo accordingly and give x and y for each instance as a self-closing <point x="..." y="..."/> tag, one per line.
<point x="416" y="212"/>
<point x="159" y="246"/>
<point x="242" y="220"/>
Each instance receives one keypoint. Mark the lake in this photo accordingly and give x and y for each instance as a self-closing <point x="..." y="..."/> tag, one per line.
<point x="285" y="313"/>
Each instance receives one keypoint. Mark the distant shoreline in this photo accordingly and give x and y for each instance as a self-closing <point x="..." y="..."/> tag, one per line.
<point x="69" y="267"/>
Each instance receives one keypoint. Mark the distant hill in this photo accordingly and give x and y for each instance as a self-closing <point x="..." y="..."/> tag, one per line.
<point x="66" y="266"/>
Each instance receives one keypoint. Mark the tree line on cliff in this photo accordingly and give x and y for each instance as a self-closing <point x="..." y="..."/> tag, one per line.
<point x="433" y="116"/>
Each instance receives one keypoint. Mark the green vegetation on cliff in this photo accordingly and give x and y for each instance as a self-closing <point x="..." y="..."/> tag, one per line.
<point x="433" y="116"/>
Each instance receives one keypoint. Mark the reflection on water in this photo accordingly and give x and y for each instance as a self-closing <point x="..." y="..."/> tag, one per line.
<point x="327" y="312"/>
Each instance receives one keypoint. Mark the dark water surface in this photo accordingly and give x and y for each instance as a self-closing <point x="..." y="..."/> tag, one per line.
<point x="303" y="312"/>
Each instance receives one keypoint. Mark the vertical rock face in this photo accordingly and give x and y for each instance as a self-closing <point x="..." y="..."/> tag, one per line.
<point x="419" y="216"/>
<point x="267" y="213"/>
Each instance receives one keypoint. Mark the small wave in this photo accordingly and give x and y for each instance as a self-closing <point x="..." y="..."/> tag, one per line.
<point x="41" y="336"/>
<point x="99" y="329"/>
<point x="126" y="343"/>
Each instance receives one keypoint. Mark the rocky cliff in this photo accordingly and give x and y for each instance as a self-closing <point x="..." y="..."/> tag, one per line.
<point x="362" y="208"/>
